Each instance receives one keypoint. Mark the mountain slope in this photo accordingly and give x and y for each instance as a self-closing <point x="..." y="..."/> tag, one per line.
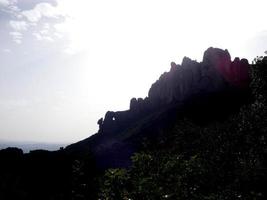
<point x="205" y="92"/>
<point x="200" y="134"/>
<point x="225" y="159"/>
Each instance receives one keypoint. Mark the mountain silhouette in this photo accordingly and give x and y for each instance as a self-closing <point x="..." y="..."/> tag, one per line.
<point x="203" y="91"/>
<point x="199" y="134"/>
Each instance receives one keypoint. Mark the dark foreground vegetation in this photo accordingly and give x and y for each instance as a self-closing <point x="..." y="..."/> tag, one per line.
<point x="224" y="158"/>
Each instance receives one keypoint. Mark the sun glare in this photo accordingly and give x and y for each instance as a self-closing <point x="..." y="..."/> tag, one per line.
<point x="100" y="54"/>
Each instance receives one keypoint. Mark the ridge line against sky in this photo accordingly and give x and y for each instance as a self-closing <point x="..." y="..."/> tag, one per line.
<point x="65" y="63"/>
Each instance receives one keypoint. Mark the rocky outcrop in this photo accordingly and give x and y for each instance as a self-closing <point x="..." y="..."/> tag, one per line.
<point x="215" y="74"/>
<point x="235" y="73"/>
<point x="203" y="92"/>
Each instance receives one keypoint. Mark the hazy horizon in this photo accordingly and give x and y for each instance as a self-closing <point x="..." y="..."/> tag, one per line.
<point x="28" y="146"/>
<point x="65" y="63"/>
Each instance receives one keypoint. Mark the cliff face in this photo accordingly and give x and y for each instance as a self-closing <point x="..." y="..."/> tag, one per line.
<point x="213" y="87"/>
<point x="215" y="74"/>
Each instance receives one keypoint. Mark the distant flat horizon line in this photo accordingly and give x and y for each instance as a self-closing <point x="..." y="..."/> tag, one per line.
<point x="32" y="142"/>
<point x="31" y="146"/>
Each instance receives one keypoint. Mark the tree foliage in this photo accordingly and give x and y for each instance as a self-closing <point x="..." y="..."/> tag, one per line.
<point x="226" y="159"/>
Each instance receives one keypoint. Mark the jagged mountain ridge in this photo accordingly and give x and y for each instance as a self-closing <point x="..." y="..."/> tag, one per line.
<point x="209" y="89"/>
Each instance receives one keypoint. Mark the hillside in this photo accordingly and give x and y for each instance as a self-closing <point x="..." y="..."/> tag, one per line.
<point x="221" y="159"/>
<point x="204" y="92"/>
<point x="199" y="134"/>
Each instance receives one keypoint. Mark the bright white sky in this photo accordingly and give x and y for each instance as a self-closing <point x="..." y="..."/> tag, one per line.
<point x="64" y="63"/>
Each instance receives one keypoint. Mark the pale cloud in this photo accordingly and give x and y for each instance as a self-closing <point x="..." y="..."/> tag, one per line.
<point x="39" y="11"/>
<point x="17" y="37"/>
<point x="23" y="21"/>
<point x="12" y="104"/>
<point x="4" y="2"/>
<point x="19" y="25"/>
<point x="32" y="17"/>
<point x="10" y="6"/>
<point x="44" y="34"/>
<point x="46" y="26"/>
<point x="46" y="29"/>
<point x="58" y="35"/>
<point x="6" y="50"/>
<point x="7" y="3"/>
<point x="16" y="34"/>
<point x="18" y="41"/>
<point x="69" y="50"/>
<point x="42" y="37"/>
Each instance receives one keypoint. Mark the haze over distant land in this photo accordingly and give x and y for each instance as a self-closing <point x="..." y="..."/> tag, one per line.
<point x="29" y="146"/>
<point x="64" y="63"/>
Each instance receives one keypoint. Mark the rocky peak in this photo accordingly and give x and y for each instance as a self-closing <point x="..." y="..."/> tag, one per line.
<point x="215" y="57"/>
<point x="216" y="73"/>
